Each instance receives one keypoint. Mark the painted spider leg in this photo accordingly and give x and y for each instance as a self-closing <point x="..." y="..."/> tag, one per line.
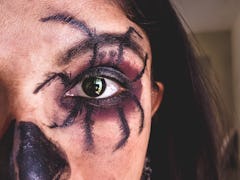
<point x="120" y="52"/>
<point x="124" y="128"/>
<point x="77" y="108"/>
<point x="64" y="78"/>
<point x="73" y="114"/>
<point x="124" y="125"/>
<point x="88" y="125"/>
<point x="139" y="75"/>
<point x="139" y="106"/>
<point x="124" y="41"/>
<point x="95" y="54"/>
<point x="70" y="118"/>
<point x="135" y="99"/>
<point x="132" y="30"/>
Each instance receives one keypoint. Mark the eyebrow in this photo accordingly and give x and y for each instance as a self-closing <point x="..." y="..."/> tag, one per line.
<point x="94" y="41"/>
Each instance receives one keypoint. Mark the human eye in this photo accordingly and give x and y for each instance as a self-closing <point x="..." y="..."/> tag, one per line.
<point x="96" y="87"/>
<point x="99" y="86"/>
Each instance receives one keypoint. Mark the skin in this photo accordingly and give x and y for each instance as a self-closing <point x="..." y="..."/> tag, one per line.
<point x="30" y="49"/>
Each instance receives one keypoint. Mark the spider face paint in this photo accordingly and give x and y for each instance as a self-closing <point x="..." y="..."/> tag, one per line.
<point x="106" y="84"/>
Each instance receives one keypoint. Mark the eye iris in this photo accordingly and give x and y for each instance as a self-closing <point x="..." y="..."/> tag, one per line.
<point x="94" y="86"/>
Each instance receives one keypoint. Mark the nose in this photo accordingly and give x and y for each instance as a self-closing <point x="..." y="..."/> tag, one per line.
<point x="33" y="156"/>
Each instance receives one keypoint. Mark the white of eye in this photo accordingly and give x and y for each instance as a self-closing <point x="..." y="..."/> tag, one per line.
<point x="111" y="89"/>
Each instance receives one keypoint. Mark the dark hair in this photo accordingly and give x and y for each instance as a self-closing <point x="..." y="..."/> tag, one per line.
<point x="184" y="142"/>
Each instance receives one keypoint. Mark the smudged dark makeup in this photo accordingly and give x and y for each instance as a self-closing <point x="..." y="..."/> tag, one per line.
<point x="104" y="84"/>
<point x="38" y="158"/>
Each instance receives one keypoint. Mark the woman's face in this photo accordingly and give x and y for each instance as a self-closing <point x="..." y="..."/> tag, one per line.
<point x="75" y="77"/>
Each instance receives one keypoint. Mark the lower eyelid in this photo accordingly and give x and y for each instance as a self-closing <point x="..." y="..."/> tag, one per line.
<point x="105" y="102"/>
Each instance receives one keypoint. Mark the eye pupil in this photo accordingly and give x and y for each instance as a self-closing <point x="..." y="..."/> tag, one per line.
<point x="94" y="86"/>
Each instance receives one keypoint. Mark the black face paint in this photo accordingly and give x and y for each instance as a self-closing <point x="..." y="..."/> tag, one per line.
<point x="94" y="43"/>
<point x="37" y="157"/>
<point x="6" y="161"/>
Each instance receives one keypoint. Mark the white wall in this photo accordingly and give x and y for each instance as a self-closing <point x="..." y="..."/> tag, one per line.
<point x="217" y="47"/>
<point x="236" y="70"/>
<point x="236" y="67"/>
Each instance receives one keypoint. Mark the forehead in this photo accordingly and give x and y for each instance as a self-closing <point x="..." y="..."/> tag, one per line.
<point x="26" y="41"/>
<point x="97" y="12"/>
<point x="21" y="18"/>
<point x="21" y="27"/>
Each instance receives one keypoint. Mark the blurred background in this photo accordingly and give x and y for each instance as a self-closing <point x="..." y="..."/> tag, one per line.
<point x="215" y="25"/>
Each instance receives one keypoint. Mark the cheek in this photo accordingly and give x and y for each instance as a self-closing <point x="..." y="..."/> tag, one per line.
<point x="107" y="128"/>
<point x="103" y="161"/>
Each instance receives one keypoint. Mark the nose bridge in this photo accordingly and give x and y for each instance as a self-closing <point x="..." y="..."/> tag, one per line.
<point x="22" y="102"/>
<point x="34" y="156"/>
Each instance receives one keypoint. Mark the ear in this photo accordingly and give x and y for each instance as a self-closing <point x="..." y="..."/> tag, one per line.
<point x="156" y="96"/>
